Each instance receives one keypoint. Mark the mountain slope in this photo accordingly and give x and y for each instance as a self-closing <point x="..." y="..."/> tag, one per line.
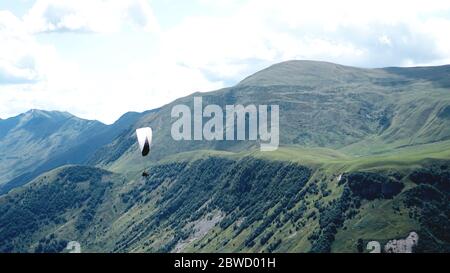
<point x="61" y="198"/>
<point x="38" y="141"/>
<point x="355" y="110"/>
<point x="229" y="203"/>
<point x="32" y="137"/>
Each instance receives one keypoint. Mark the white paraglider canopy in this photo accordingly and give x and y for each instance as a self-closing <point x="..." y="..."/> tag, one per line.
<point x="144" y="136"/>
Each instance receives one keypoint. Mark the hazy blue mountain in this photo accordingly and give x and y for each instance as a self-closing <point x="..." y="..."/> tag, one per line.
<point x="38" y="141"/>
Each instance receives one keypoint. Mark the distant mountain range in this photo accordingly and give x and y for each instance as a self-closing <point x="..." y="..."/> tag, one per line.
<point x="365" y="155"/>
<point x="38" y="141"/>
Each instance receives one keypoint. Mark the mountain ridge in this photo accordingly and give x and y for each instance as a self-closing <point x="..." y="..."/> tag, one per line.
<point x="364" y="156"/>
<point x="383" y="111"/>
<point x="339" y="113"/>
<point x="58" y="138"/>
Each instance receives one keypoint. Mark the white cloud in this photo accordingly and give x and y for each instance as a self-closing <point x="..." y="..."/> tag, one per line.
<point x="362" y="33"/>
<point x="203" y="52"/>
<point x="89" y="16"/>
<point x="34" y="75"/>
<point x="17" y="52"/>
<point x="385" y="40"/>
<point x="146" y="86"/>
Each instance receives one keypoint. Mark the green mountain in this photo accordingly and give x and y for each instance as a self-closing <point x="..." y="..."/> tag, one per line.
<point x="353" y="110"/>
<point x="225" y="202"/>
<point x="364" y="156"/>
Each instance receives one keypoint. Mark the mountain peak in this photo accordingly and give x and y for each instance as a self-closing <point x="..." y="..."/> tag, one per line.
<point x="44" y="115"/>
<point x="47" y="114"/>
<point x="36" y="120"/>
<point x="302" y="72"/>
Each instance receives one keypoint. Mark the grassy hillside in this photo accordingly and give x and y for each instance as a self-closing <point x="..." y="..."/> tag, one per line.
<point x="352" y="110"/>
<point x="226" y="202"/>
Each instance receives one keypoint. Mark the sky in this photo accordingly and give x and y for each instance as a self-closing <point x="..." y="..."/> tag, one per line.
<point x="98" y="59"/>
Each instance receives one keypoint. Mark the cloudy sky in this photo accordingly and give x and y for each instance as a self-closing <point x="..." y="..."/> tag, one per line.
<point x="101" y="58"/>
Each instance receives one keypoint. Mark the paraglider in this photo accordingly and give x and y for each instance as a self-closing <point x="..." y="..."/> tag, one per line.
<point x="144" y="136"/>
